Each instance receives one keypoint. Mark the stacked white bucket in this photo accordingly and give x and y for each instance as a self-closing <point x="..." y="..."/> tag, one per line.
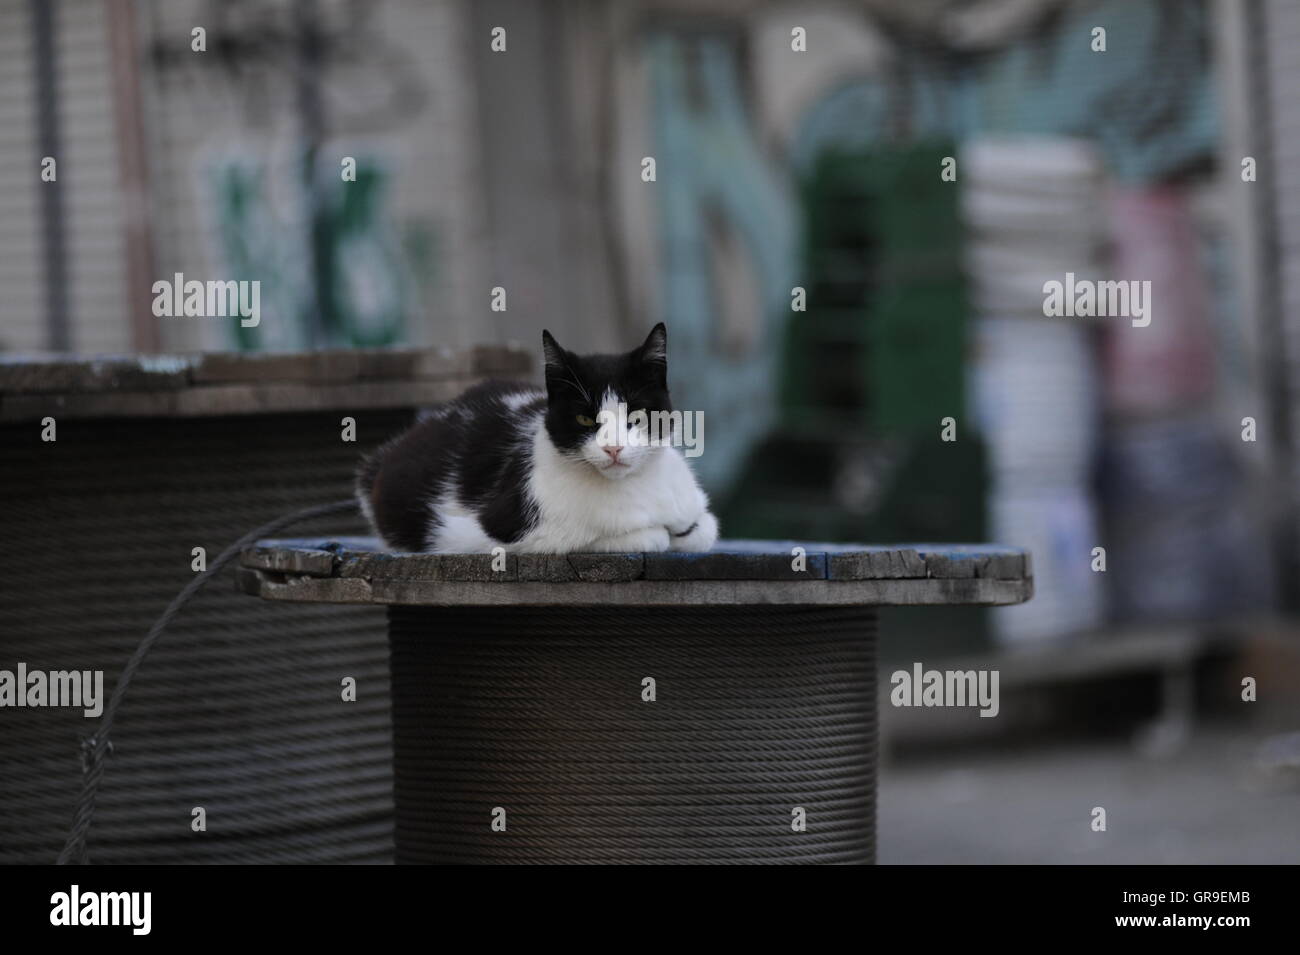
<point x="1034" y="210"/>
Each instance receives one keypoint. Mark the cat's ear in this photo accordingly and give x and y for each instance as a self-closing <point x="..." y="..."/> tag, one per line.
<point x="655" y="348"/>
<point x="557" y="362"/>
<point x="553" y="353"/>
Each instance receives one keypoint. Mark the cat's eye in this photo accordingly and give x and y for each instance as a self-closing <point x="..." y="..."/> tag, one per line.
<point x="585" y="421"/>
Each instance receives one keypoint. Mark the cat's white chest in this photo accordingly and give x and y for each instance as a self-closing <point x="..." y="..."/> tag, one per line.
<point x="578" y="507"/>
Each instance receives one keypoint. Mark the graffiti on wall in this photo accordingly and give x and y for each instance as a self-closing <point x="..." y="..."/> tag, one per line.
<point x="728" y="225"/>
<point x="332" y="271"/>
<point x="728" y="206"/>
<point x="1147" y="101"/>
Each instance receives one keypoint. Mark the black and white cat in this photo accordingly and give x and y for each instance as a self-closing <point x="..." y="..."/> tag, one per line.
<point x="532" y="471"/>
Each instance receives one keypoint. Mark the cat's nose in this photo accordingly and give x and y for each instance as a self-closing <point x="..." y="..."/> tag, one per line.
<point x="613" y="453"/>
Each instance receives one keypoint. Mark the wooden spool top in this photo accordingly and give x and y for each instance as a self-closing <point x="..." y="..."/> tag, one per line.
<point x="226" y="383"/>
<point x="357" y="570"/>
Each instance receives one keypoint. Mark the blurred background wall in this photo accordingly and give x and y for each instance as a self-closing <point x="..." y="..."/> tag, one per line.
<point x="831" y="296"/>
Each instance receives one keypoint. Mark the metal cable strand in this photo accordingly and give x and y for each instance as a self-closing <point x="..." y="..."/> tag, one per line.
<point x="97" y="747"/>
<point x="759" y="709"/>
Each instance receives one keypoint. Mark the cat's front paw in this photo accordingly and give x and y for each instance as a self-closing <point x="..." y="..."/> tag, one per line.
<point x="702" y="535"/>
<point x="646" y="540"/>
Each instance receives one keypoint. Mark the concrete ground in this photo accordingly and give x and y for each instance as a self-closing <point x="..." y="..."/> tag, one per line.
<point x="1227" y="796"/>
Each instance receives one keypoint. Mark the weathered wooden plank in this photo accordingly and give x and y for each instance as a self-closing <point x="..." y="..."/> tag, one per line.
<point x="307" y="561"/>
<point x="997" y="565"/>
<point x="269" y="586"/>
<point x="1004" y="567"/>
<point x="555" y="568"/>
<point x="110" y="404"/>
<point x="728" y="564"/>
<point x="22" y="374"/>
<point x="593" y="568"/>
<point x="500" y="360"/>
<point x="728" y="560"/>
<point x="219" y="383"/>
<point x="266" y="398"/>
<point x="967" y="574"/>
<point x="944" y="566"/>
<point x="659" y="593"/>
<point x="441" y="363"/>
<point x="415" y="567"/>
<point x="646" y="593"/>
<point x="952" y="561"/>
<point x="480" y="567"/>
<point x="338" y="544"/>
<point x="429" y="567"/>
<point x="876" y="565"/>
<point x="388" y="364"/>
<point x="333" y="365"/>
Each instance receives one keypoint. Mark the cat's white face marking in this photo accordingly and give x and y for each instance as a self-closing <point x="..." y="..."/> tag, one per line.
<point x="616" y="455"/>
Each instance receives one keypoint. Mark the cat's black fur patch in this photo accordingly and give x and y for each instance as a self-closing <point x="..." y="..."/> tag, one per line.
<point x="479" y="443"/>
